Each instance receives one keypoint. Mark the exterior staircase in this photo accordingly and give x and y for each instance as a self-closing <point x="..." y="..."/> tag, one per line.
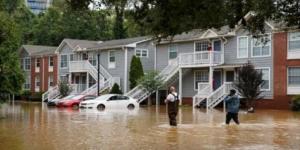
<point x="218" y="95"/>
<point x="167" y="74"/>
<point x="106" y="80"/>
<point x="204" y="89"/>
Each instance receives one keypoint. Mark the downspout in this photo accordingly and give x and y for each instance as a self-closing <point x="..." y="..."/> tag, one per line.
<point x="125" y="68"/>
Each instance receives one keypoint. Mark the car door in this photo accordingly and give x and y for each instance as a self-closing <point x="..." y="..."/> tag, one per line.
<point x="112" y="102"/>
<point x="123" y="101"/>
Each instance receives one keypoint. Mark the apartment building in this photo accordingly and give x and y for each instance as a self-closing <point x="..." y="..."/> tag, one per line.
<point x="38" y="6"/>
<point x="40" y="67"/>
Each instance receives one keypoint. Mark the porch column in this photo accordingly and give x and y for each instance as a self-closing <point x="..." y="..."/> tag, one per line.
<point x="157" y="98"/>
<point x="87" y="80"/>
<point x="210" y="78"/>
<point x="180" y="86"/>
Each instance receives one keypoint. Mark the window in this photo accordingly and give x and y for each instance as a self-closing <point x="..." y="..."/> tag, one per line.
<point x="51" y="61"/>
<point x="141" y="52"/>
<point x="242" y="47"/>
<point x="265" y="77"/>
<point x="27" y="63"/>
<point x="261" y="46"/>
<point x="38" y="62"/>
<point x="37" y="81"/>
<point x="120" y="97"/>
<point x="111" y="59"/>
<point x="27" y="83"/>
<point x="294" y="41"/>
<point x="229" y="76"/>
<point x="93" y="59"/>
<point x="294" y="76"/>
<point x="200" y="77"/>
<point x="50" y="80"/>
<point x="202" y="46"/>
<point x="64" y="61"/>
<point x="173" y="51"/>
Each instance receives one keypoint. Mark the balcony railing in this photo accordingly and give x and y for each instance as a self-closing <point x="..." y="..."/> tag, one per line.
<point x="201" y="58"/>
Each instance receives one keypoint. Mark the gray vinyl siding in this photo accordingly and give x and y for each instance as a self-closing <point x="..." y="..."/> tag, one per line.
<point x="162" y="53"/>
<point x="65" y="50"/>
<point x="147" y="62"/>
<point x="27" y="73"/>
<point x="230" y="57"/>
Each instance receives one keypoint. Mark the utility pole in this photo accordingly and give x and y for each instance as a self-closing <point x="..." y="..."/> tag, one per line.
<point x="98" y="78"/>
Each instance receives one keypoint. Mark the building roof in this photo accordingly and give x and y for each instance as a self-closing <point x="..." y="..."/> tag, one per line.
<point x="73" y="43"/>
<point x="35" y="50"/>
<point x="110" y="44"/>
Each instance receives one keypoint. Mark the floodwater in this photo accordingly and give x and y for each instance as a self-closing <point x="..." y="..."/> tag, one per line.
<point x="33" y="126"/>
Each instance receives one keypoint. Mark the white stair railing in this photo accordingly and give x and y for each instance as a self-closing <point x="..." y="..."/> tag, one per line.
<point x="52" y="93"/>
<point x="204" y="89"/>
<point x="167" y="73"/>
<point x="218" y="95"/>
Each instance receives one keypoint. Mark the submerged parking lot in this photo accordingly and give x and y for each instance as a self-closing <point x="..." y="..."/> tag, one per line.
<point x="30" y="126"/>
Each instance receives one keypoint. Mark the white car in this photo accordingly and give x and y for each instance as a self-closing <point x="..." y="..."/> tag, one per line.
<point x="110" y="101"/>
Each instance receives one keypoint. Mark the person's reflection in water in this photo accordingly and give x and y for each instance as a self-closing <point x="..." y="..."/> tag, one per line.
<point x="231" y="136"/>
<point x="172" y="138"/>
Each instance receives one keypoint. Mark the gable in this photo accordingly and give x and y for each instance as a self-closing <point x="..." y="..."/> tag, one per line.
<point x="209" y="34"/>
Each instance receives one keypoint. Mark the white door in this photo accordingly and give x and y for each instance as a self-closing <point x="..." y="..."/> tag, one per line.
<point x="112" y="102"/>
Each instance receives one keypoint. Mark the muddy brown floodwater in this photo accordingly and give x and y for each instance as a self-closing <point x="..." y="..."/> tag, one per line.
<point x="32" y="126"/>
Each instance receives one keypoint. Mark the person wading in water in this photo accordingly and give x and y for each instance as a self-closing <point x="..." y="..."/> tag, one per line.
<point x="232" y="107"/>
<point x="172" y="102"/>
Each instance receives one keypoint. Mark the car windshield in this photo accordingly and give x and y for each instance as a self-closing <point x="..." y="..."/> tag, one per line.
<point x="77" y="97"/>
<point x="68" y="97"/>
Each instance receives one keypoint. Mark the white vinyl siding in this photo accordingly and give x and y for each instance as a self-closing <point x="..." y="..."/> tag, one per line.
<point x="242" y="47"/>
<point x="63" y="61"/>
<point x="200" y="76"/>
<point x="173" y="51"/>
<point x="266" y="77"/>
<point x="261" y="46"/>
<point x="111" y="59"/>
<point x="141" y="52"/>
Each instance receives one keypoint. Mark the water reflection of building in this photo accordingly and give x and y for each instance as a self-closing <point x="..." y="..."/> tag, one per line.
<point x="38" y="6"/>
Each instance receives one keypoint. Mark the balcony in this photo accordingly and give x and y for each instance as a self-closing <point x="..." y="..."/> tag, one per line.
<point x="203" y="58"/>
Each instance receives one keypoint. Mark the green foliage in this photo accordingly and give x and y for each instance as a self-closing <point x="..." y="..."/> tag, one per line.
<point x="37" y="96"/>
<point x="11" y="75"/>
<point x="76" y="5"/>
<point x="135" y="72"/>
<point x="295" y="104"/>
<point x="64" y="88"/>
<point x="115" y="89"/>
<point x="248" y="83"/>
<point x="25" y="94"/>
<point x="151" y="81"/>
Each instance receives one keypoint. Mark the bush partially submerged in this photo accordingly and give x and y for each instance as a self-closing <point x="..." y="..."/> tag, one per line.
<point x="295" y="104"/>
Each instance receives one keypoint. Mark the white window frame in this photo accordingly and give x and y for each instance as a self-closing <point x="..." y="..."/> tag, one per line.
<point x="27" y="82"/>
<point x="37" y="77"/>
<point x="238" y="46"/>
<point x="92" y="57"/>
<point x="50" y="75"/>
<point x="169" y="50"/>
<point x="111" y="65"/>
<point x="49" y="58"/>
<point x="269" y="74"/>
<point x="36" y="62"/>
<point x="292" y="54"/>
<point x="195" y="88"/>
<point x="293" y="88"/>
<point x="270" y="46"/>
<point x="67" y="56"/>
<point x="27" y="58"/>
<point x="141" y="53"/>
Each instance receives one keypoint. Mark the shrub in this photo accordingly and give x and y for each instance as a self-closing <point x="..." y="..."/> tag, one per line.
<point x="64" y="88"/>
<point x="115" y="89"/>
<point x="36" y="96"/>
<point x="136" y="71"/>
<point x="295" y="104"/>
<point x="25" y="94"/>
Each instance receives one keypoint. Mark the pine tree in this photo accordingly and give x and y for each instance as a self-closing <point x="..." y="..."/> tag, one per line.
<point x="115" y="89"/>
<point x="136" y="71"/>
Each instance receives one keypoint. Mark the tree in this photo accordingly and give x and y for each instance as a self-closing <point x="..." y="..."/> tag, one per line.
<point x="115" y="89"/>
<point x="151" y="82"/>
<point x="64" y="88"/>
<point x="11" y="75"/>
<point x="248" y="84"/>
<point x="135" y="72"/>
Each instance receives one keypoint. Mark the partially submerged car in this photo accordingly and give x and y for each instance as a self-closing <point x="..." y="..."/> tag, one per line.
<point x="110" y="101"/>
<point x="74" y="101"/>
<point x="55" y="101"/>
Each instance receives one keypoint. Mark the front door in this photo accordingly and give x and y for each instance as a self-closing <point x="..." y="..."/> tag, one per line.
<point x="229" y="76"/>
<point x="217" y="79"/>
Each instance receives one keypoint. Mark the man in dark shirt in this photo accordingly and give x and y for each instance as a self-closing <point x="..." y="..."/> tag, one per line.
<point x="232" y="107"/>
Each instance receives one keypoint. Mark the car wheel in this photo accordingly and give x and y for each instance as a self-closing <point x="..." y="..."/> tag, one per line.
<point x="75" y="106"/>
<point x="101" y="107"/>
<point x="130" y="106"/>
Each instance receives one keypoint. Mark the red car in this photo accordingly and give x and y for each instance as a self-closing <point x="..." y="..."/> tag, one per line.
<point x="74" y="101"/>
